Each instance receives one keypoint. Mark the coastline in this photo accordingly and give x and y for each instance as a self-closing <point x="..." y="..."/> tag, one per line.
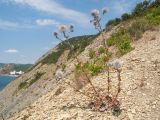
<point x="9" y="75"/>
<point x="5" y="79"/>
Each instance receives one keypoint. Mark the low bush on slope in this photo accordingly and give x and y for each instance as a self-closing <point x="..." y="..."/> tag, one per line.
<point x="122" y="40"/>
<point x="27" y="83"/>
<point x="123" y="37"/>
<point x="141" y="10"/>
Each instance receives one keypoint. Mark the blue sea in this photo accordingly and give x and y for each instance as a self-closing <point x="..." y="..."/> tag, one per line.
<point x="5" y="80"/>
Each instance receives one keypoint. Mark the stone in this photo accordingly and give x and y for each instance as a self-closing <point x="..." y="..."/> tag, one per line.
<point x="154" y="106"/>
<point x="133" y="111"/>
<point x="129" y="93"/>
<point x="130" y="116"/>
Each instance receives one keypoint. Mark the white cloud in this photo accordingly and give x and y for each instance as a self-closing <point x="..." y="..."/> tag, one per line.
<point x="11" y="51"/>
<point x="7" y="24"/>
<point x="46" y="22"/>
<point x="55" y="8"/>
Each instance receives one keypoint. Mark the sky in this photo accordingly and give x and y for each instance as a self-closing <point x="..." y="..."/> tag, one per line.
<point x="26" y="26"/>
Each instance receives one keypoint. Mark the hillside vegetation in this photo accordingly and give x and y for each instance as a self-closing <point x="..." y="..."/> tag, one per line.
<point x="79" y="44"/>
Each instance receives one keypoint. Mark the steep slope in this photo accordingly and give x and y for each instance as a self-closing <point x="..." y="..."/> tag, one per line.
<point x="25" y="97"/>
<point x="137" y="102"/>
<point x="38" y="80"/>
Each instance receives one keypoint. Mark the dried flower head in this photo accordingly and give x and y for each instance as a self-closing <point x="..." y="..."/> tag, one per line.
<point x="95" y="13"/>
<point x="59" y="74"/>
<point x="71" y="28"/>
<point x="55" y="34"/>
<point x="104" y="10"/>
<point x="110" y="64"/>
<point x="62" y="28"/>
<point x="117" y="64"/>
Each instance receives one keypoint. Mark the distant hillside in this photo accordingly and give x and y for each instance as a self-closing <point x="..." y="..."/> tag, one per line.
<point x="1" y="65"/>
<point x="6" y="68"/>
<point x="79" y="43"/>
<point x="22" y="67"/>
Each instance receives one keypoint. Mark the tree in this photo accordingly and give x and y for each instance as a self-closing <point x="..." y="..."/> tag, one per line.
<point x="125" y="16"/>
<point x="139" y="9"/>
<point x="113" y="22"/>
<point x="156" y="3"/>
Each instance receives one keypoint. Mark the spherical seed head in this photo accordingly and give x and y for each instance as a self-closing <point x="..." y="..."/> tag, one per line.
<point x="62" y="28"/>
<point x="59" y="74"/>
<point x="55" y="34"/>
<point x="117" y="64"/>
<point x="104" y="10"/>
<point x="95" y="13"/>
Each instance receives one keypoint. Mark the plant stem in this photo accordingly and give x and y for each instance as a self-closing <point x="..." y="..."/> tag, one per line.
<point x="101" y="31"/>
<point x="78" y="90"/>
<point x="108" y="80"/>
<point x="88" y="79"/>
<point x="2" y="116"/>
<point x="119" y="83"/>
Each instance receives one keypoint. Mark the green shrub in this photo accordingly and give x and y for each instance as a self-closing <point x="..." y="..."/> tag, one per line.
<point x="95" y="69"/>
<point x="37" y="76"/>
<point x="154" y="17"/>
<point x="22" y="85"/>
<point x="109" y="54"/>
<point x="138" y="27"/>
<point x="101" y="50"/>
<point x="111" y="41"/>
<point x="125" y="46"/>
<point x="125" y="16"/>
<point x="92" y="68"/>
<point x="63" y="67"/>
<point x="97" y="66"/>
<point x="91" y="53"/>
<point x="78" y="67"/>
<point x="32" y="81"/>
<point x="122" y="40"/>
<point x="86" y="65"/>
<point x="100" y="60"/>
<point x="113" y="22"/>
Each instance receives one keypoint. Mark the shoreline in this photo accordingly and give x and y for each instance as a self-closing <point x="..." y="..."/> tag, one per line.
<point x="9" y="75"/>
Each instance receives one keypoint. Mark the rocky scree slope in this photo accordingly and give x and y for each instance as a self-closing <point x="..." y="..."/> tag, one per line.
<point x="137" y="102"/>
